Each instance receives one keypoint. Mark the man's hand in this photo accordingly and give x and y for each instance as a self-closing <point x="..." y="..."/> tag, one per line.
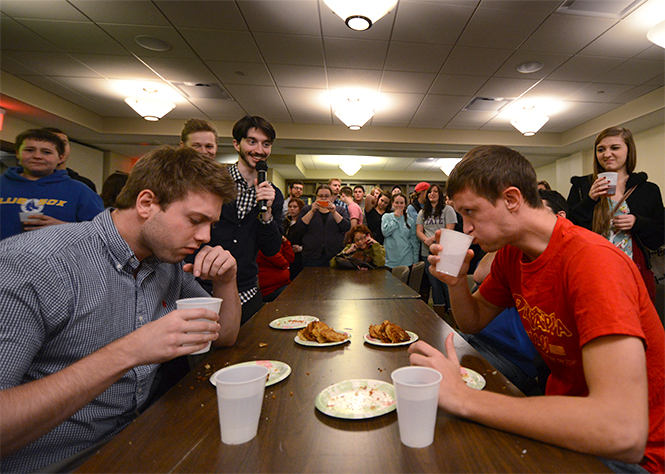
<point x="213" y="263"/>
<point x="39" y="221"/>
<point x="452" y="389"/>
<point x="433" y="259"/>
<point x="265" y="191"/>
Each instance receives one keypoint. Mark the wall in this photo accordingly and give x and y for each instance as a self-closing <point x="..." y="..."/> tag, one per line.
<point x="650" y="159"/>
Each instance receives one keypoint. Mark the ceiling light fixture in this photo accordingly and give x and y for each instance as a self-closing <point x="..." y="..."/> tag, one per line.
<point x="657" y="34"/>
<point x="360" y="15"/>
<point x="350" y="168"/>
<point x="354" y="113"/>
<point x="448" y="164"/>
<point x="149" y="107"/>
<point x="530" y="67"/>
<point x="151" y="43"/>
<point x="529" y="123"/>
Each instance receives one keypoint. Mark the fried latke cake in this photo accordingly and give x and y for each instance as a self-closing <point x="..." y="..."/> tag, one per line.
<point x="320" y="332"/>
<point x="388" y="332"/>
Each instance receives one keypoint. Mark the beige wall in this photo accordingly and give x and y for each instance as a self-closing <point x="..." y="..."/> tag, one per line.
<point x="650" y="159"/>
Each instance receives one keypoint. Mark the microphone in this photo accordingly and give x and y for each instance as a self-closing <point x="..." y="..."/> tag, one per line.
<point x="262" y="168"/>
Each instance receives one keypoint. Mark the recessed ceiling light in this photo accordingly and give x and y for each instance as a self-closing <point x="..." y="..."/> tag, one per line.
<point x="529" y="67"/>
<point x="152" y="43"/>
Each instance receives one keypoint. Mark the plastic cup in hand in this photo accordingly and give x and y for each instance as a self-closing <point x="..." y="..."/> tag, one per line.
<point x="213" y="304"/>
<point x="454" y="246"/>
<point x="417" y="392"/>
<point x="612" y="178"/>
<point x="25" y="218"/>
<point x="239" y="400"/>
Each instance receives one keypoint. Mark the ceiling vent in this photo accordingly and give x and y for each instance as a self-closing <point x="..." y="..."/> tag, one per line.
<point x="487" y="104"/>
<point x="615" y="9"/>
<point x="196" y="90"/>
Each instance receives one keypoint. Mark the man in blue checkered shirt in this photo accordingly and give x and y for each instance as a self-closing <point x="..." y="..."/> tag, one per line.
<point x="89" y="309"/>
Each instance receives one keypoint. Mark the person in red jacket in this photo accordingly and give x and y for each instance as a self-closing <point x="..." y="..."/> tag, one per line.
<point x="274" y="272"/>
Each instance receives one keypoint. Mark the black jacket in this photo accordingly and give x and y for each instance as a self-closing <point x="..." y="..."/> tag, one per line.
<point x="645" y="203"/>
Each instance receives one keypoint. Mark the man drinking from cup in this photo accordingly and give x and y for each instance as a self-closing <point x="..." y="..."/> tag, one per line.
<point x="595" y="328"/>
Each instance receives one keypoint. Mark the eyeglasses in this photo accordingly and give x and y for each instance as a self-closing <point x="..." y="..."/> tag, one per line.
<point x="358" y="240"/>
<point x="318" y="196"/>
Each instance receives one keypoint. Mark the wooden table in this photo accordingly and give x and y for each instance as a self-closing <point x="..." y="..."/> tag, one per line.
<point x="180" y="432"/>
<point x="333" y="284"/>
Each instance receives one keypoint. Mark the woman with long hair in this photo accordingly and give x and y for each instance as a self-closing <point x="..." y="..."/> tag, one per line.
<point x="632" y="218"/>
<point x="399" y="234"/>
<point x="434" y="215"/>
<point x="293" y="211"/>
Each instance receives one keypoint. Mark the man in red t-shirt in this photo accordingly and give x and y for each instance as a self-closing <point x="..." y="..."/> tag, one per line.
<point x="583" y="304"/>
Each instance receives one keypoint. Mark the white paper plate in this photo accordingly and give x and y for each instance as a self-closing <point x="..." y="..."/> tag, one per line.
<point x="278" y="371"/>
<point x="357" y="399"/>
<point x="413" y="337"/>
<point x="304" y="342"/>
<point x="472" y="378"/>
<point x="292" y="322"/>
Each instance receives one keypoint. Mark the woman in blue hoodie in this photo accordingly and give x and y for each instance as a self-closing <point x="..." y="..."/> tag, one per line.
<point x="399" y="234"/>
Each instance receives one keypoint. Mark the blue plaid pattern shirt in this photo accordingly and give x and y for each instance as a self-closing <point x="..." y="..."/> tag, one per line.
<point x="65" y="292"/>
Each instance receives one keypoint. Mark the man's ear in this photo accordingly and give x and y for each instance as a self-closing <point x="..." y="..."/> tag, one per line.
<point x="512" y="196"/>
<point x="147" y="204"/>
<point x="236" y="145"/>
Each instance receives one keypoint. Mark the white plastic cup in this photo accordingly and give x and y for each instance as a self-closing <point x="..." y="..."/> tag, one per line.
<point x="612" y="177"/>
<point x="417" y="392"/>
<point x="213" y="304"/>
<point x="25" y="218"/>
<point x="454" y="246"/>
<point x="240" y="392"/>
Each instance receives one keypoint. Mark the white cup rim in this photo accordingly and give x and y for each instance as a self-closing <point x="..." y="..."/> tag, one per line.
<point x="225" y="370"/>
<point x="415" y="367"/>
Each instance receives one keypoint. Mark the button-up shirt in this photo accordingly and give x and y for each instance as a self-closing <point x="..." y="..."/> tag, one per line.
<point x="67" y="291"/>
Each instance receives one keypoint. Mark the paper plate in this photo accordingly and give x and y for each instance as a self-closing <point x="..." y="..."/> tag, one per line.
<point x="304" y="342"/>
<point x="292" y="322"/>
<point x="472" y="378"/>
<point x="357" y="399"/>
<point x="278" y="371"/>
<point x="413" y="337"/>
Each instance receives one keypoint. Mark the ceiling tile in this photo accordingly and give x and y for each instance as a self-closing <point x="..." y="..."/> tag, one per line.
<point x="416" y="57"/>
<point x="586" y="69"/>
<point x="17" y="37"/>
<point x="96" y="39"/>
<point x="295" y="17"/>
<point x="227" y="45"/>
<point x="450" y="84"/>
<point x="395" y="108"/>
<point x="261" y="100"/>
<point x="554" y="90"/>
<point x="126" y="34"/>
<point x="137" y="12"/>
<point x="255" y="74"/>
<point x="361" y="54"/>
<point x="51" y="64"/>
<point x="203" y="14"/>
<point x="431" y="22"/>
<point x="339" y="78"/>
<point x="290" y="49"/>
<point x="503" y="29"/>
<point x="475" y="61"/>
<point x="437" y="110"/>
<point x="307" y="77"/>
<point x="116" y="67"/>
<point x="598" y="92"/>
<point x="223" y="110"/>
<point x="506" y="87"/>
<point x="566" y="33"/>
<point x="398" y="81"/>
<point x="634" y="72"/>
<point x="182" y="70"/>
<point x="42" y="9"/>
<point x="307" y="105"/>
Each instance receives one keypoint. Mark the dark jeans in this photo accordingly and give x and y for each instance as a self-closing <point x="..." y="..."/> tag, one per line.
<point x="439" y="288"/>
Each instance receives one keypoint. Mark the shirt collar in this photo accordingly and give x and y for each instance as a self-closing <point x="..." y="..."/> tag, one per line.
<point x="119" y="250"/>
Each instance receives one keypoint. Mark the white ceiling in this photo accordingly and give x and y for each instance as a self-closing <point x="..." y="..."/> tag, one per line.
<point x="427" y="59"/>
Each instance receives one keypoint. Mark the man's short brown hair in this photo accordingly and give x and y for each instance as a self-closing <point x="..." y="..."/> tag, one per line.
<point x="171" y="173"/>
<point x="488" y="170"/>
<point x="40" y="135"/>
<point x="194" y="125"/>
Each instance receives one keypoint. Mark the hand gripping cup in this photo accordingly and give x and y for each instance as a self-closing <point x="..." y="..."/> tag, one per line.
<point x="612" y="177"/>
<point x="417" y="391"/>
<point x="240" y="392"/>
<point x="213" y="304"/>
<point x="454" y="246"/>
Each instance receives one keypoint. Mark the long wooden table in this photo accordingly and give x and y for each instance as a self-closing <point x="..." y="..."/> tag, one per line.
<point x="335" y="284"/>
<point x="180" y="432"/>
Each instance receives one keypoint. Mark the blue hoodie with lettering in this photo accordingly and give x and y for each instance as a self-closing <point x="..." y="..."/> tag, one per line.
<point x="55" y="195"/>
